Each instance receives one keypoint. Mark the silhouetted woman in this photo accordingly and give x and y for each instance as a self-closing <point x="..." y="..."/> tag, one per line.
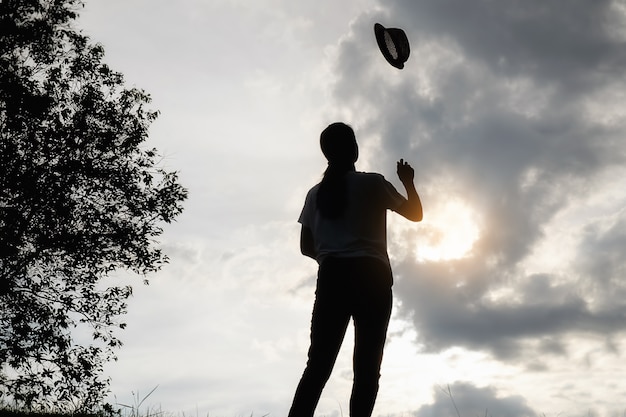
<point x="344" y="230"/>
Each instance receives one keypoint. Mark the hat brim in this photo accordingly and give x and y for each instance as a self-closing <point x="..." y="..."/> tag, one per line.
<point x="400" y="41"/>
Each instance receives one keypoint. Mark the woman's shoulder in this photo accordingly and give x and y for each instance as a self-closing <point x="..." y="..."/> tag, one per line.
<point x="367" y="181"/>
<point x="313" y="190"/>
<point x="367" y="176"/>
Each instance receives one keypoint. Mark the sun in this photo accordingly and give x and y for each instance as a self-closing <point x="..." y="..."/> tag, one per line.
<point x="450" y="231"/>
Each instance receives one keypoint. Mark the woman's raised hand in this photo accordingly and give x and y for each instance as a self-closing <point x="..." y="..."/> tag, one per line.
<point x="405" y="171"/>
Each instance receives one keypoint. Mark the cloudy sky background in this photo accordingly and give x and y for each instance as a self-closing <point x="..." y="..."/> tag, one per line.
<point x="510" y="293"/>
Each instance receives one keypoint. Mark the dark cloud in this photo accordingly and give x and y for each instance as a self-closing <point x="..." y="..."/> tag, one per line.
<point x="532" y="321"/>
<point x="605" y="246"/>
<point x="465" y="399"/>
<point x="504" y="105"/>
<point x="604" y="262"/>
<point x="572" y="44"/>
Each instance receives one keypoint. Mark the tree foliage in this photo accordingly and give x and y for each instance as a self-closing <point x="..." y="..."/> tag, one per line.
<point x="80" y="198"/>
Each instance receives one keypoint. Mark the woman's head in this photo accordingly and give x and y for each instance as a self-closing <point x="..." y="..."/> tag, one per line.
<point x="338" y="144"/>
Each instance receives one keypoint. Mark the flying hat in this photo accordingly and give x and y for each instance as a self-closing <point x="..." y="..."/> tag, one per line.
<point x="393" y="43"/>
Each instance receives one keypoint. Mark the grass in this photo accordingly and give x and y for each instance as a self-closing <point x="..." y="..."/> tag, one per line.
<point x="108" y="410"/>
<point x="133" y="410"/>
<point x="10" y="412"/>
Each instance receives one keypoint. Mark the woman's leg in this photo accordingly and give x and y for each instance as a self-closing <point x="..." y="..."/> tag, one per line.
<point x="372" y="310"/>
<point x="328" y="327"/>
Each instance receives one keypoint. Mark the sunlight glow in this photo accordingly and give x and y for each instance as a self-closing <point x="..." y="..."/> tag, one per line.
<point x="451" y="232"/>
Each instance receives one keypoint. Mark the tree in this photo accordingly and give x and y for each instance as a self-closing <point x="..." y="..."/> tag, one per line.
<point x="80" y="198"/>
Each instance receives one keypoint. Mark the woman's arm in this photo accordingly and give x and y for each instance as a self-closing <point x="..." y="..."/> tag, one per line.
<point x="307" y="245"/>
<point x="412" y="208"/>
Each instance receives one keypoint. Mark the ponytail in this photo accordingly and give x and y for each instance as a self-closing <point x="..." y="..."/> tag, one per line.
<point x="339" y="146"/>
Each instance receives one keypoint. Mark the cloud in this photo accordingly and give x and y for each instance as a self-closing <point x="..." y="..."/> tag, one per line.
<point x="511" y="109"/>
<point x="604" y="243"/>
<point x="465" y="399"/>
<point x="529" y="320"/>
<point x="567" y="43"/>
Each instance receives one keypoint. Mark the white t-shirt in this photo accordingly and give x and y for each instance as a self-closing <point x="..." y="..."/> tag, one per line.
<point x="362" y="229"/>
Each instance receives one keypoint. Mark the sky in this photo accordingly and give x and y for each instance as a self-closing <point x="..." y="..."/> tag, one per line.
<point x="508" y="296"/>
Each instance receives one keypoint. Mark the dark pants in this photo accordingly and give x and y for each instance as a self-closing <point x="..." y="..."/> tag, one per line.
<point x="347" y="287"/>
